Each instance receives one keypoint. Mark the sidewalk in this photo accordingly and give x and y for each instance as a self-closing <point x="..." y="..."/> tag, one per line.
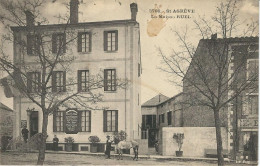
<point x="155" y="157"/>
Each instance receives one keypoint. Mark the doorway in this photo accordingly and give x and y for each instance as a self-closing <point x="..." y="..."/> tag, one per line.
<point x="34" y="118"/>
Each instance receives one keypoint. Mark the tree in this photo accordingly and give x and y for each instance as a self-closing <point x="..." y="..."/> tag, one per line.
<point x="207" y="80"/>
<point x="32" y="75"/>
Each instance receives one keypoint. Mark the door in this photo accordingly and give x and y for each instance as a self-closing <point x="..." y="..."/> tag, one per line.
<point x="34" y="123"/>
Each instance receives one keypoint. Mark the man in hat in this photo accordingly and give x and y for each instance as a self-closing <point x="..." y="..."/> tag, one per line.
<point x="25" y="132"/>
<point x="55" y="143"/>
<point x="108" y="147"/>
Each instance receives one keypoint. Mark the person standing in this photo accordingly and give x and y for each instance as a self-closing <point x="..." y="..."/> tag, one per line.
<point x="108" y="147"/>
<point x="25" y="132"/>
<point x="55" y="143"/>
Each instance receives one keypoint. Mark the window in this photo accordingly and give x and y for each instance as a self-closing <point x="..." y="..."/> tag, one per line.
<point x="33" y="82"/>
<point x="83" y="80"/>
<point x="59" y="43"/>
<point x="253" y="104"/>
<point x="162" y="118"/>
<point x="252" y="69"/>
<point x="86" y="121"/>
<point x="84" y="42"/>
<point x="169" y="117"/>
<point x="159" y="119"/>
<point x="110" y="120"/>
<point x="110" y="40"/>
<point x="59" y="81"/>
<point x="58" y="121"/>
<point x="33" y="44"/>
<point x="110" y="80"/>
<point x="139" y="69"/>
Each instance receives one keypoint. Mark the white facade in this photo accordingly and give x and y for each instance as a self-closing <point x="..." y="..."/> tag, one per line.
<point x="126" y="61"/>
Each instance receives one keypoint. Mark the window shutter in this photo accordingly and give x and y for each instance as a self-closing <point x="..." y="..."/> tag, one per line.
<point x="115" y="79"/>
<point x="64" y="43"/>
<point x="54" y="121"/>
<point x="105" y="80"/>
<point x="79" y="42"/>
<point x="105" y="41"/>
<point x="29" y="44"/>
<point x="53" y="81"/>
<point x="64" y="81"/>
<point x="64" y="121"/>
<point x="90" y="121"/>
<point x="90" y="42"/>
<point x="116" y="34"/>
<point x="104" y="120"/>
<point x="54" y="43"/>
<point x="79" y="121"/>
<point x="79" y="81"/>
<point x="39" y="81"/>
<point x="116" y="127"/>
<point x="29" y="82"/>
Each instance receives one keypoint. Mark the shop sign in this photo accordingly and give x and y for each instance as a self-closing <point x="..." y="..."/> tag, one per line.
<point x="71" y="122"/>
<point x="249" y="123"/>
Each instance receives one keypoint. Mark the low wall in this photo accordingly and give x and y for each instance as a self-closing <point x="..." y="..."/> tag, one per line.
<point x="196" y="140"/>
<point x="143" y="146"/>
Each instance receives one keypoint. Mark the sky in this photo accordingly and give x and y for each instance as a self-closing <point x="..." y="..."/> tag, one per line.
<point x="154" y="81"/>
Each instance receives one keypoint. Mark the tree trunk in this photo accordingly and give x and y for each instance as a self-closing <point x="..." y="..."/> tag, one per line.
<point x="219" y="138"/>
<point x="42" y="145"/>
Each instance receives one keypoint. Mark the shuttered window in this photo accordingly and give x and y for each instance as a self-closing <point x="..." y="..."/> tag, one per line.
<point x="86" y="121"/>
<point x="33" y="44"/>
<point x="58" y="121"/>
<point x="110" y="80"/>
<point x="84" y="42"/>
<point x="33" y="82"/>
<point x="110" y="120"/>
<point x="169" y="117"/>
<point x="110" y="40"/>
<point x="59" y="43"/>
<point x="59" y="81"/>
<point x="83" y="80"/>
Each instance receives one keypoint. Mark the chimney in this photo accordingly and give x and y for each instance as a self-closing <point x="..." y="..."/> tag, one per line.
<point x="214" y="36"/>
<point x="29" y="18"/>
<point x="74" y="11"/>
<point x="134" y="10"/>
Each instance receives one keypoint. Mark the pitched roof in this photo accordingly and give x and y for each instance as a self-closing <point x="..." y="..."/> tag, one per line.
<point x="156" y="100"/>
<point x="4" y="107"/>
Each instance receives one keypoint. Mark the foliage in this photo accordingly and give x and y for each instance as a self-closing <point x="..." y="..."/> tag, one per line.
<point x="69" y="140"/>
<point x="179" y="139"/>
<point x="94" y="139"/>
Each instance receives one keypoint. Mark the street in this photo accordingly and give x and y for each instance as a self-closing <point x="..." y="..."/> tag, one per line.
<point x="18" y="158"/>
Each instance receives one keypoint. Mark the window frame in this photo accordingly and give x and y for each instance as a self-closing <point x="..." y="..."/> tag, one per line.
<point x="33" y="83"/>
<point x="247" y="67"/>
<point x="106" y="41"/>
<point x="54" y="81"/>
<point x="111" y="81"/>
<point x="61" y="49"/>
<point x="85" y="121"/>
<point x="169" y="118"/>
<point x="33" y="44"/>
<point x="86" y="83"/>
<point x="105" y="121"/>
<point x="60" y="115"/>
<point x="80" y="41"/>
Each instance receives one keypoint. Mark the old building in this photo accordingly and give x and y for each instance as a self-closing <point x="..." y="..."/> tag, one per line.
<point x="107" y="49"/>
<point x="158" y="112"/>
<point x="239" y="117"/>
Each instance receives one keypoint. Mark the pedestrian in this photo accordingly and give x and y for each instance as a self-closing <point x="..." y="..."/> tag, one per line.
<point x="25" y="132"/>
<point x="108" y="147"/>
<point x="55" y="143"/>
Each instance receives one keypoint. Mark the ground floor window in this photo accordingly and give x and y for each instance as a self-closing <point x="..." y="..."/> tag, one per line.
<point x="58" y="121"/>
<point x="85" y="121"/>
<point x="110" y="120"/>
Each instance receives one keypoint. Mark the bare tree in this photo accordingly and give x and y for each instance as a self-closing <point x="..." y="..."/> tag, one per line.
<point x="207" y="80"/>
<point x="33" y="68"/>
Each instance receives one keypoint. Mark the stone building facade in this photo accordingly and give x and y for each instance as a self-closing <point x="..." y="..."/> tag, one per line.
<point x="106" y="49"/>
